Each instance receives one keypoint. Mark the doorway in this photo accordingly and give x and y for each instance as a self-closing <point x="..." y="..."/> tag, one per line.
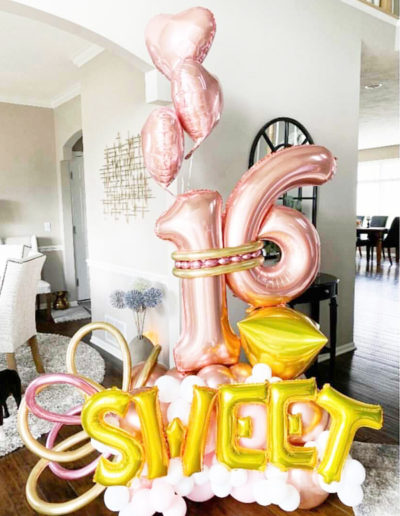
<point x="78" y="211"/>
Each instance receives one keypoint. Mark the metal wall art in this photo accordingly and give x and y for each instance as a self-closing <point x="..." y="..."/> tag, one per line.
<point x="125" y="179"/>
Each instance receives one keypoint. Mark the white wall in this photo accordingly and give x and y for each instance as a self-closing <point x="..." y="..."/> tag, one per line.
<point x="28" y="182"/>
<point x="119" y="251"/>
<point x="299" y="59"/>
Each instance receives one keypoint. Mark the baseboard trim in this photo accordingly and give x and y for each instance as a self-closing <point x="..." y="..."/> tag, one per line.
<point x="106" y="346"/>
<point x="340" y="350"/>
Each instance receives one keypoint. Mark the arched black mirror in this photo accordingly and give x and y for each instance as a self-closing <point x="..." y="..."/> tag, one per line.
<point x="277" y="134"/>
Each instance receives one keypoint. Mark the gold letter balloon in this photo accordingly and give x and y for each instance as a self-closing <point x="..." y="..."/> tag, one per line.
<point x="211" y="425"/>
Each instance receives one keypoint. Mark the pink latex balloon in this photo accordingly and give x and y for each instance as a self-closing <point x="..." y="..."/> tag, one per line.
<point x="194" y="223"/>
<point x="258" y="414"/>
<point x="197" y="98"/>
<point x="157" y="371"/>
<point x="171" y="38"/>
<point x="215" y="375"/>
<point x="314" y="421"/>
<point x="176" y="374"/>
<point x="211" y="435"/>
<point x="244" y="493"/>
<point x="306" y="482"/>
<point x="201" y="493"/>
<point x="163" y="145"/>
<point x="251" y="215"/>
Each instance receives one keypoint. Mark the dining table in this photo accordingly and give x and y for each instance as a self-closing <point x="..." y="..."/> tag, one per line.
<point x="378" y="232"/>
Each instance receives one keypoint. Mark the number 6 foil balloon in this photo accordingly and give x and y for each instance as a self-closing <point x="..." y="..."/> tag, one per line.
<point x="252" y="215"/>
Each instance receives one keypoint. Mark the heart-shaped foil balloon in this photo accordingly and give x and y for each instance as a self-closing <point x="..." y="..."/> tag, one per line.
<point x="171" y="38"/>
<point x="198" y="100"/>
<point x="162" y="145"/>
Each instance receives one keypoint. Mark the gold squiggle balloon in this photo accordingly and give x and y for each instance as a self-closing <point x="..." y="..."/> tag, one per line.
<point x="52" y="508"/>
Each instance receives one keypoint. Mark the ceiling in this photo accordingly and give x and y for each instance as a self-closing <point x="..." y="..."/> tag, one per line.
<point x="39" y="64"/>
<point x="379" y="108"/>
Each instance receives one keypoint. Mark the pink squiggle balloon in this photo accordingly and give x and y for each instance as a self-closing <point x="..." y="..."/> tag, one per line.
<point x="50" y="379"/>
<point x="163" y="145"/>
<point x="60" y="471"/>
<point x="251" y="215"/>
<point x="198" y="100"/>
<point x="171" y="38"/>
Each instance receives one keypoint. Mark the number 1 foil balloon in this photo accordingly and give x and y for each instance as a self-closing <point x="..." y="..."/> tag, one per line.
<point x="170" y="39"/>
<point x="163" y="145"/>
<point x="252" y="215"/>
<point x="197" y="98"/>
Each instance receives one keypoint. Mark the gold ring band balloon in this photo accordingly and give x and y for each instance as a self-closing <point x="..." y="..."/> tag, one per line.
<point x="123" y="345"/>
<point x="222" y="252"/>
<point x="52" y="508"/>
<point x="218" y="269"/>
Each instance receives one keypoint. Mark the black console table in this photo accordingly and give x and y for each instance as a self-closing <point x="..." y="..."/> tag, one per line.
<point x="324" y="287"/>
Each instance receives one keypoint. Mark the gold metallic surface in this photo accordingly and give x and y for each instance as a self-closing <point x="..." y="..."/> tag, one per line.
<point x="208" y="254"/>
<point x="283" y="338"/>
<point x="147" y="368"/>
<point x="175" y="436"/>
<point x="218" y="269"/>
<point x="347" y="416"/>
<point x="51" y="508"/>
<point x="123" y="345"/>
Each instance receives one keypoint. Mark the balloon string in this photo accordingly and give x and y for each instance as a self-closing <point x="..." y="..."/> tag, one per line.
<point x="169" y="191"/>
<point x="190" y="172"/>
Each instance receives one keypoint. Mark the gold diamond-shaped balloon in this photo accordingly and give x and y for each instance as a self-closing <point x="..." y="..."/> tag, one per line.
<point x="283" y="338"/>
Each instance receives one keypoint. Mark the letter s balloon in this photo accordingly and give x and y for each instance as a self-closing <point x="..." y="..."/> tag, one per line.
<point x="251" y="215"/>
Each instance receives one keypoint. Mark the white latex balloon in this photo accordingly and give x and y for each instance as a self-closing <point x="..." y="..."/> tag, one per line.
<point x="221" y="490"/>
<point x="186" y="387"/>
<point x="353" y="472"/>
<point x="179" y="409"/>
<point x="273" y="472"/>
<point x="251" y="379"/>
<point x="200" y="478"/>
<point x="141" y="504"/>
<point x="175" y="471"/>
<point x="261" y="372"/>
<point x="290" y="500"/>
<point x="350" y="494"/>
<point x="178" y="507"/>
<point x="275" y="379"/>
<point x="262" y="492"/>
<point x="219" y="474"/>
<point x="162" y="494"/>
<point x="184" y="486"/>
<point x="116" y="497"/>
<point x="329" y="488"/>
<point x="168" y="388"/>
<point x="238" y="477"/>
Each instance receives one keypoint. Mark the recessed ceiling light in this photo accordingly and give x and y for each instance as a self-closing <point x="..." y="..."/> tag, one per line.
<point x="373" y="86"/>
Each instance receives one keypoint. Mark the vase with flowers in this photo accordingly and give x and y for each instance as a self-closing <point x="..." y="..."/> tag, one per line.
<point x="139" y="300"/>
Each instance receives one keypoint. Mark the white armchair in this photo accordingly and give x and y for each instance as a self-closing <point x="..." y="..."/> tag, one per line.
<point x="18" y="287"/>
<point x="30" y="245"/>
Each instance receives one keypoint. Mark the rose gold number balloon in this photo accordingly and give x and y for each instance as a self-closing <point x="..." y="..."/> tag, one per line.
<point x="251" y="215"/>
<point x="162" y="144"/>
<point x="197" y="98"/>
<point x="194" y="223"/>
<point x="172" y="38"/>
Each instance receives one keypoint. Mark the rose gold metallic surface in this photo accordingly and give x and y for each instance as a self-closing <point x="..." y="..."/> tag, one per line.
<point x="241" y="371"/>
<point x="171" y="38"/>
<point x="306" y="483"/>
<point x="163" y="145"/>
<point x="217" y="253"/>
<point x="251" y="215"/>
<point x="197" y="98"/>
<point x="314" y="421"/>
<point x="215" y="375"/>
<point x="194" y="223"/>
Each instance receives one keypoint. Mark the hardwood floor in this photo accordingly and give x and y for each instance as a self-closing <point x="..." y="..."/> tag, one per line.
<point x="369" y="374"/>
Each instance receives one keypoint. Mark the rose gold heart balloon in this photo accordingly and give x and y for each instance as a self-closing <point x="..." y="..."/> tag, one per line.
<point x="162" y="145"/>
<point x="172" y="38"/>
<point x="197" y="98"/>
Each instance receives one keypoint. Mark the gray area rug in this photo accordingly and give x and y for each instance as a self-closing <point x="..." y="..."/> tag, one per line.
<point x="75" y="313"/>
<point x="58" y="398"/>
<point x="381" y="487"/>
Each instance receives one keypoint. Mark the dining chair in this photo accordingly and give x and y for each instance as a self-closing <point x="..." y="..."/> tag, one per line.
<point x="44" y="287"/>
<point x="17" y="307"/>
<point x="392" y="240"/>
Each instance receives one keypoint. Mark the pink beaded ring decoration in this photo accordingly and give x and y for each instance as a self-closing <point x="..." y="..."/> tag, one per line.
<point x="212" y="262"/>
